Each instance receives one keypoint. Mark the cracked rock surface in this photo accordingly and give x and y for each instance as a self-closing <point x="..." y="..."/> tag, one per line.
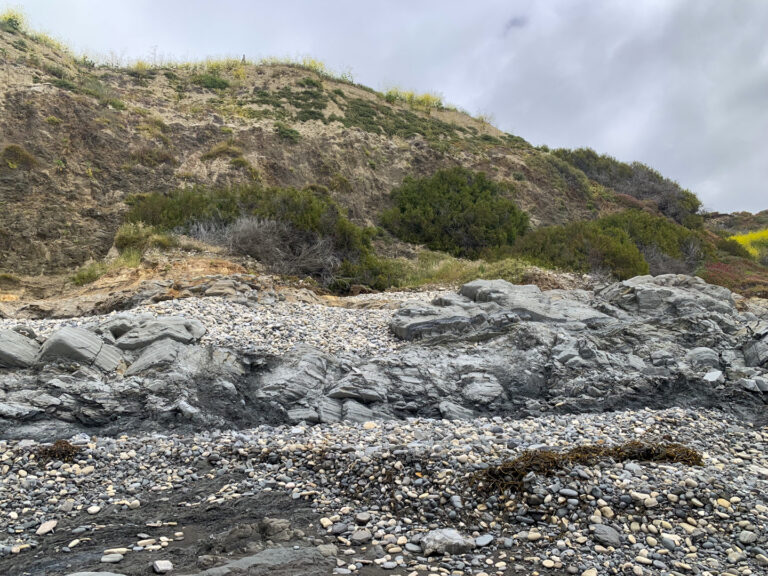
<point x="492" y="349"/>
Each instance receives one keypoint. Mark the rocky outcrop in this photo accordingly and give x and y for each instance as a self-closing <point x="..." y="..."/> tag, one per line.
<point x="147" y="332"/>
<point x="16" y="350"/>
<point x="493" y="349"/>
<point x="72" y="344"/>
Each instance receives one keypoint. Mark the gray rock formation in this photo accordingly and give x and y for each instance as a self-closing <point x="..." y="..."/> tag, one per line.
<point x="158" y="353"/>
<point x="145" y="332"/>
<point x="16" y="350"/>
<point x="71" y="344"/>
<point x="756" y="352"/>
<point x="494" y="349"/>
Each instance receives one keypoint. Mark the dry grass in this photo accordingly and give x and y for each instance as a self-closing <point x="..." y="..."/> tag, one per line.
<point x="427" y="101"/>
<point x="438" y="268"/>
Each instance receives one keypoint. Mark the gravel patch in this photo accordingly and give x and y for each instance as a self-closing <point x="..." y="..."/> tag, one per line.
<point x="275" y="326"/>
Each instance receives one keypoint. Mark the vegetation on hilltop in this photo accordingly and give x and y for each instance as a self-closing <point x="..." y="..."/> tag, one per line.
<point x="638" y="181"/>
<point x="736" y="223"/>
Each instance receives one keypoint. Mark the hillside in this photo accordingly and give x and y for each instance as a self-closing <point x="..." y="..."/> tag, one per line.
<point x="97" y="135"/>
<point x="79" y="142"/>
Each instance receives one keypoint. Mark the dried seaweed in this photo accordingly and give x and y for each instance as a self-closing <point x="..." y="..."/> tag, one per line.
<point x="60" y="450"/>
<point x="511" y="476"/>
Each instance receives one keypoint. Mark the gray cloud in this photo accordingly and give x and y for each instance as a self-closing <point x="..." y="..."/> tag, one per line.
<point x="681" y="85"/>
<point x="515" y="22"/>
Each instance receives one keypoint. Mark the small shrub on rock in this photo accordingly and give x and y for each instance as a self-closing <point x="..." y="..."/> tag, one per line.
<point x="89" y="273"/>
<point x="138" y="237"/>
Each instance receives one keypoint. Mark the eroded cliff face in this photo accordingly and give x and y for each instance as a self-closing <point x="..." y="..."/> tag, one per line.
<point x="492" y="349"/>
<point x="76" y="141"/>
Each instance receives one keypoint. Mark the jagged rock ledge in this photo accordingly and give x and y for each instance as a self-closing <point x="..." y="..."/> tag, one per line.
<point x="493" y="349"/>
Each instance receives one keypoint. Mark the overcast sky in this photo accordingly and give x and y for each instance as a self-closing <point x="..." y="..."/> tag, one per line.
<point x="681" y="85"/>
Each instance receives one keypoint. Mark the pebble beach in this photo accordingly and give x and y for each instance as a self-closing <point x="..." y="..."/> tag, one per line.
<point x="384" y="494"/>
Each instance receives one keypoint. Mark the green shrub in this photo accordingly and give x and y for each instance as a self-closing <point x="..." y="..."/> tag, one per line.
<point x="64" y="84"/>
<point x="639" y="181"/>
<point x="137" y="236"/>
<point x="242" y="163"/>
<point x="309" y="82"/>
<point x="427" y="101"/>
<point x="223" y="149"/>
<point x="185" y="206"/>
<point x="91" y="86"/>
<point x="56" y="71"/>
<point x="286" y="132"/>
<point x="7" y="279"/>
<point x="14" y="156"/>
<point x="559" y="174"/>
<point x="308" y="213"/>
<point x="114" y="103"/>
<point x="210" y="81"/>
<point x="627" y="243"/>
<point x="733" y="247"/>
<point x="431" y="268"/>
<point x="456" y="211"/>
<point x="12" y="21"/>
<point x="89" y="273"/>
<point x="583" y="247"/>
<point x="152" y="157"/>
<point x="647" y="230"/>
<point x="129" y="258"/>
<point x="379" y="118"/>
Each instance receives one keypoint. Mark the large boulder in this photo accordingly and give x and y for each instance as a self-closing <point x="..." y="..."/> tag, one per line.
<point x="452" y="315"/>
<point x="16" y="350"/>
<point x="282" y="560"/>
<point x="72" y="343"/>
<point x="669" y="295"/>
<point x="756" y="352"/>
<point x="159" y="353"/>
<point x="146" y="331"/>
<point x="108" y="358"/>
<point x="703" y="357"/>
